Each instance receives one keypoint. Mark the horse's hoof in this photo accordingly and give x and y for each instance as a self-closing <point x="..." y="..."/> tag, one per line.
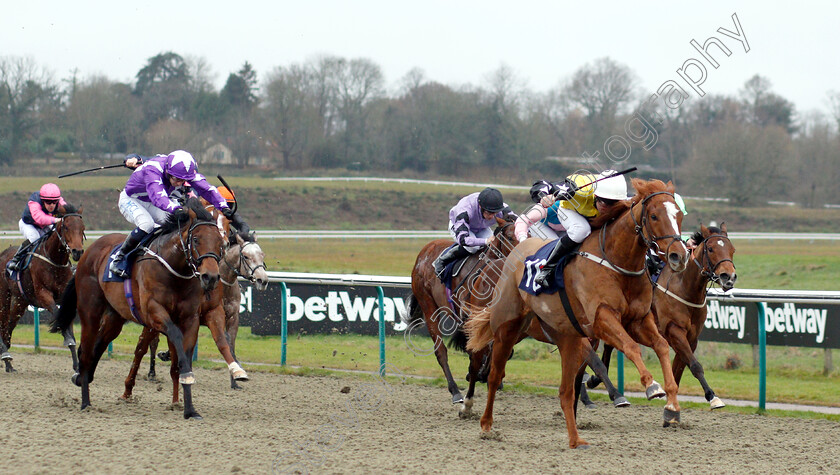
<point x="593" y="382"/>
<point x="187" y="378"/>
<point x="491" y="435"/>
<point x="716" y="403"/>
<point x="9" y="369"/>
<point x="671" y="418"/>
<point x="457" y="398"/>
<point x="236" y="387"/>
<point x="193" y="416"/>
<point x="75" y="380"/>
<point x="590" y="405"/>
<point x="621" y="401"/>
<point x="582" y="446"/>
<point x="163" y="355"/>
<point x="654" y="391"/>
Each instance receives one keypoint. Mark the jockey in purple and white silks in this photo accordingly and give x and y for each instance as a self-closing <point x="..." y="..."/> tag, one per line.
<point x="470" y="223"/>
<point x="145" y="200"/>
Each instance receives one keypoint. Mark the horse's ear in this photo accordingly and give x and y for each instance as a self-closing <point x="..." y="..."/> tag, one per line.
<point x="723" y="228"/>
<point x="669" y="187"/>
<point x="239" y="239"/>
<point x="704" y="231"/>
<point x="81" y="208"/>
<point x="500" y="221"/>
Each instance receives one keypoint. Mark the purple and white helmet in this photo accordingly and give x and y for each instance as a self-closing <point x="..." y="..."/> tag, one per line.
<point x="181" y="165"/>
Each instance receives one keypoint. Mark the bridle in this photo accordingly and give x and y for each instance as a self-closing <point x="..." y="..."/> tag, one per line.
<point x="63" y="225"/>
<point x="640" y="228"/>
<point x="243" y="263"/>
<point x="189" y="253"/>
<point x="61" y="240"/>
<point x="709" y="269"/>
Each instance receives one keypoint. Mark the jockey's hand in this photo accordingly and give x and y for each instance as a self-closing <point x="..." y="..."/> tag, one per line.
<point x="180" y="214"/>
<point x="133" y="161"/>
<point x="547" y="200"/>
<point x="227" y="213"/>
<point x="490" y="240"/>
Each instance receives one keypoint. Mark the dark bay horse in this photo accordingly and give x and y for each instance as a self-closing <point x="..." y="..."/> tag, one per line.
<point x="429" y="299"/>
<point x="220" y="312"/>
<point x="679" y="303"/>
<point x="168" y="283"/>
<point x="43" y="281"/>
<point x="609" y="295"/>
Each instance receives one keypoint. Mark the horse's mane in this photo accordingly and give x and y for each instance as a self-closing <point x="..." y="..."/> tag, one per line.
<point x="644" y="188"/>
<point x="172" y="223"/>
<point x="697" y="237"/>
<point x="69" y="209"/>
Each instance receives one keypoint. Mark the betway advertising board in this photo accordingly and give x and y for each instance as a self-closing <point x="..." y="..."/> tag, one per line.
<point x="315" y="308"/>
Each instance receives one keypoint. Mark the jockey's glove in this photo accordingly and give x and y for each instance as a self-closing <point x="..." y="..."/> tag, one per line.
<point x="180" y="214"/>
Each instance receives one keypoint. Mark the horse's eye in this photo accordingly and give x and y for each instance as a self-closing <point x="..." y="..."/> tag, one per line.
<point x="195" y="240"/>
<point x="653" y="217"/>
<point x="246" y="257"/>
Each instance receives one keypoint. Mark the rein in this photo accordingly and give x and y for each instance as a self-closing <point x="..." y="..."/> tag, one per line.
<point x="639" y="229"/>
<point x="61" y="240"/>
<point x="242" y="264"/>
<point x="188" y="249"/>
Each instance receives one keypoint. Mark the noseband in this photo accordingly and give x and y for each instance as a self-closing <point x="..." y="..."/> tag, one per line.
<point x="64" y="226"/>
<point x="244" y="264"/>
<point x="707" y="269"/>
<point x="653" y="242"/>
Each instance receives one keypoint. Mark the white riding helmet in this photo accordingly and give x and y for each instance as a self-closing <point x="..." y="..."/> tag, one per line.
<point x="614" y="188"/>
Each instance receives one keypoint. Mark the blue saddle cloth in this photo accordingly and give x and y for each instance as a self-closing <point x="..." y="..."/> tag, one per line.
<point x="534" y="263"/>
<point x="108" y="276"/>
<point x="451" y="269"/>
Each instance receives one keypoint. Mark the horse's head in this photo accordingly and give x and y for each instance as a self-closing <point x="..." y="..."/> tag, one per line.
<point x="505" y="233"/>
<point x="252" y="261"/>
<point x="71" y="230"/>
<point x="202" y="244"/>
<point x="713" y="254"/>
<point x="659" y="221"/>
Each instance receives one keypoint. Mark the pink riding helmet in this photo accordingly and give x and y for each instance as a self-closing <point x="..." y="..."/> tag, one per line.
<point x="50" y="191"/>
<point x="181" y="165"/>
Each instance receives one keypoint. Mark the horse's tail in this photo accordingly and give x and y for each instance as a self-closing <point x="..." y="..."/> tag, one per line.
<point x="412" y="310"/>
<point x="67" y="311"/>
<point x="458" y="340"/>
<point x="478" y="329"/>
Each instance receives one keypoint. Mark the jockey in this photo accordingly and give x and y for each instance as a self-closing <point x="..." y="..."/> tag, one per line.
<point x="38" y="216"/>
<point x="237" y="222"/>
<point x="579" y="202"/>
<point x="539" y="222"/>
<point x="145" y="199"/>
<point x="469" y="225"/>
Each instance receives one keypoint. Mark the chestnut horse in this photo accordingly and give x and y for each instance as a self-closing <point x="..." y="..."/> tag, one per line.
<point x="43" y="281"/>
<point x="220" y="313"/>
<point x="429" y="298"/>
<point x="679" y="303"/>
<point x="168" y="283"/>
<point x="610" y="298"/>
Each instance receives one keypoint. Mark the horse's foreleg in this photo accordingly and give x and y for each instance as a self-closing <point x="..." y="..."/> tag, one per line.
<point x="16" y="308"/>
<point x="139" y="351"/>
<point x="594" y="381"/>
<point x="685" y="355"/>
<point x="607" y="327"/>
<point x="182" y="341"/>
<point x="601" y="372"/>
<point x="476" y="361"/>
<point x="647" y="333"/>
<point x="153" y="346"/>
<point x="232" y="329"/>
<point x="215" y="321"/>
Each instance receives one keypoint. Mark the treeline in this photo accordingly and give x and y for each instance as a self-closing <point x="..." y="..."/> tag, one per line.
<point x="332" y="112"/>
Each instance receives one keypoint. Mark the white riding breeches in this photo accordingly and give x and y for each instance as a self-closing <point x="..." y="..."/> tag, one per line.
<point x="577" y="227"/>
<point x="30" y="231"/>
<point x="145" y="216"/>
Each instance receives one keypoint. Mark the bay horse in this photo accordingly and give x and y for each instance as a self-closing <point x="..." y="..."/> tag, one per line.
<point x="610" y="300"/>
<point x="170" y="279"/>
<point x="679" y="303"/>
<point x="220" y="312"/>
<point x="429" y="300"/>
<point x="43" y="281"/>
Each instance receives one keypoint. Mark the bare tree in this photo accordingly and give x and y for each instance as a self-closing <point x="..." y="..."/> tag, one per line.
<point x="23" y="86"/>
<point x="290" y="113"/>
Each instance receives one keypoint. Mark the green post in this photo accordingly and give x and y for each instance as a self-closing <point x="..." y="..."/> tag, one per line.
<point x="284" y="323"/>
<point x="762" y="357"/>
<point x="110" y="350"/>
<point x="620" y="370"/>
<point x="195" y="350"/>
<point x="381" y="296"/>
<point x="36" y="312"/>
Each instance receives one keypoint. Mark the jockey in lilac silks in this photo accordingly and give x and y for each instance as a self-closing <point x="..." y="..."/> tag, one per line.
<point x="145" y="201"/>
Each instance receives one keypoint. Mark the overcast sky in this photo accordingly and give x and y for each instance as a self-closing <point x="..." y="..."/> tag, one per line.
<point x="456" y="43"/>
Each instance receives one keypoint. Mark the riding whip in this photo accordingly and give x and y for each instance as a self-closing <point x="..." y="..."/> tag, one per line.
<point x="92" y="170"/>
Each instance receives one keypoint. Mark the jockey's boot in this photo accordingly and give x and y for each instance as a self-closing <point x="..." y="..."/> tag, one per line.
<point x="450" y="255"/>
<point x="119" y="266"/>
<point x="564" y="246"/>
<point x="14" y="262"/>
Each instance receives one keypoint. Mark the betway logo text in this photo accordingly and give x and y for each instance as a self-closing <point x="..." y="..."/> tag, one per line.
<point x="790" y="319"/>
<point x="726" y="317"/>
<point x="339" y="306"/>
